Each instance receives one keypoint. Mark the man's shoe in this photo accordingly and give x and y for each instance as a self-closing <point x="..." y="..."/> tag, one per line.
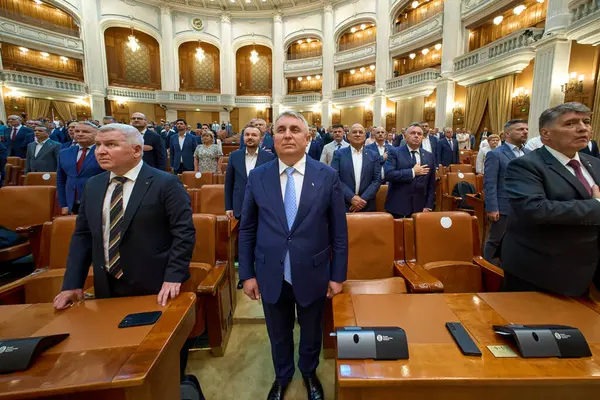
<point x="277" y="391"/>
<point x="314" y="388"/>
<point x="240" y="284"/>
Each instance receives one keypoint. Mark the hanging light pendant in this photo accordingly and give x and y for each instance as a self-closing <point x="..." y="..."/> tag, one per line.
<point x="133" y="43"/>
<point x="200" y="56"/>
<point x="253" y="55"/>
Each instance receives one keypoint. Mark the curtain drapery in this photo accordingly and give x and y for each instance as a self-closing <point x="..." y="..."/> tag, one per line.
<point x="36" y="108"/>
<point x="499" y="102"/>
<point x="596" y="112"/>
<point x="477" y="100"/>
<point x="66" y="110"/>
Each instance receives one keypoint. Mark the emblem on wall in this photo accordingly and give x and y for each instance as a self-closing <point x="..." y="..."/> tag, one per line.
<point x="197" y="24"/>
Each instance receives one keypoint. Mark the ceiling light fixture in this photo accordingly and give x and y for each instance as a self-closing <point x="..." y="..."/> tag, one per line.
<point x="44" y="54"/>
<point x="200" y="56"/>
<point x="412" y="56"/>
<point x="300" y="79"/>
<point x="38" y="2"/>
<point x="498" y="20"/>
<point x="318" y="77"/>
<point x="415" y="4"/>
<point x="24" y="50"/>
<point x="353" y="30"/>
<point x="425" y="51"/>
<point x="519" y="9"/>
<point x="254" y="55"/>
<point x="362" y="69"/>
<point x="372" y="67"/>
<point x="438" y="46"/>
<point x="352" y="71"/>
<point x="64" y="59"/>
<point x="363" y="27"/>
<point x="132" y="42"/>
<point x="300" y="41"/>
<point x="308" y="78"/>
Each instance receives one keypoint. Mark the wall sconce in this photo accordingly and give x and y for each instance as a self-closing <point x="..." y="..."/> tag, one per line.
<point x="575" y="84"/>
<point x="521" y="96"/>
<point x="14" y="94"/>
<point x="121" y="102"/>
<point x="429" y="104"/>
<point x="458" y="107"/>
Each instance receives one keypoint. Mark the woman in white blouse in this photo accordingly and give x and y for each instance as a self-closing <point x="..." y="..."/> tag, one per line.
<point x="493" y="141"/>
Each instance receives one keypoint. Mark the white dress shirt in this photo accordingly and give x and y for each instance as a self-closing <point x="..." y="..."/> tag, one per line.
<point x="480" y="163"/>
<point x="298" y="176"/>
<point x="39" y="145"/>
<point x="357" y="162"/>
<point x="181" y="140"/>
<point x="131" y="176"/>
<point x="517" y="151"/>
<point x="534" y="143"/>
<point x="329" y="149"/>
<point x="80" y="152"/>
<point x="417" y="157"/>
<point x="381" y="150"/>
<point x="590" y="145"/>
<point x="426" y="143"/>
<point x="251" y="161"/>
<point x="308" y="146"/>
<point x="564" y="160"/>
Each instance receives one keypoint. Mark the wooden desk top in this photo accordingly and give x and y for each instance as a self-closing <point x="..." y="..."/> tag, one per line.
<point x="97" y="355"/>
<point x="436" y="359"/>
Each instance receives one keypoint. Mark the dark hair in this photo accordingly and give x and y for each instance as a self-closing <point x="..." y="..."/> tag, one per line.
<point x="550" y="115"/>
<point x="182" y="120"/>
<point x="415" y="124"/>
<point x="512" y="122"/>
<point x="205" y="125"/>
<point x="336" y="126"/>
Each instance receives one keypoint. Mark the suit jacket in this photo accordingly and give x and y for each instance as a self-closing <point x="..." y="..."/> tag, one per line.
<point x="472" y="142"/>
<point x="46" y="160"/>
<point x="157" y="236"/>
<point x="69" y="183"/>
<point x="373" y="147"/>
<point x="317" y="241"/>
<point x="18" y="147"/>
<point x="316" y="148"/>
<point x="59" y="135"/>
<point x="329" y="150"/>
<point x="398" y="140"/>
<point x="447" y="156"/>
<point x="236" y="178"/>
<point x="186" y="153"/>
<point x="435" y="145"/>
<point x="67" y="144"/>
<point x="594" y="152"/>
<point x="552" y="234"/>
<point x="407" y="194"/>
<point x="370" y="176"/>
<point x="494" y="187"/>
<point x="157" y="157"/>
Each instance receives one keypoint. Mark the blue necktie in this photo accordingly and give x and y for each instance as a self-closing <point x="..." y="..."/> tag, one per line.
<point x="289" y="202"/>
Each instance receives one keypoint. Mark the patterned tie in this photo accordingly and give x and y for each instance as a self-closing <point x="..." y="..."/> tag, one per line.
<point x="413" y="157"/>
<point x="116" y="219"/>
<point x="289" y="202"/>
<point x="577" y="168"/>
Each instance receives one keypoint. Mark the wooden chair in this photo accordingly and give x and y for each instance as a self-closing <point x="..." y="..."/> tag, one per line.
<point x="450" y="180"/>
<point x="380" y="198"/>
<point x="222" y="164"/>
<point x="195" y="180"/>
<point x="12" y="174"/>
<point x="464" y="168"/>
<point x="24" y="210"/>
<point x="477" y="202"/>
<point x="228" y="148"/>
<point x="18" y="161"/>
<point x="465" y="157"/>
<point x="40" y="179"/>
<point x="211" y="199"/>
<point x="443" y="249"/>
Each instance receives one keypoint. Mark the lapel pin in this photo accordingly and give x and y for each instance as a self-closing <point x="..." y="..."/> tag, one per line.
<point x="313" y="184"/>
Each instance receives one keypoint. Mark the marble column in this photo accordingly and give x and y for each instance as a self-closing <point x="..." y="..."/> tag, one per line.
<point x="444" y="99"/>
<point x="452" y="34"/>
<point x="278" y="57"/>
<point x="227" y="65"/>
<point x="383" y="61"/>
<point x="171" y="114"/>
<point x="551" y="67"/>
<point x="95" y="70"/>
<point x="327" y="75"/>
<point x="2" y="105"/>
<point x="224" y="117"/>
<point x="169" y="77"/>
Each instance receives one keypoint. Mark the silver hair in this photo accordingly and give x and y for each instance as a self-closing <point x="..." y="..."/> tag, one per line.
<point x="15" y="116"/>
<point x="293" y="114"/>
<point x="446" y="129"/>
<point x="550" y="115"/>
<point x="132" y="135"/>
<point x="88" y="123"/>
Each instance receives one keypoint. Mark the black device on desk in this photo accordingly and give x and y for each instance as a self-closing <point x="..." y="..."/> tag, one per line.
<point x="140" y="319"/>
<point x="18" y="354"/>
<point x="462" y="339"/>
<point x="377" y="343"/>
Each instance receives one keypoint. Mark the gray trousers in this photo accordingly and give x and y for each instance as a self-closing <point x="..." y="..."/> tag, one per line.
<point x="495" y="234"/>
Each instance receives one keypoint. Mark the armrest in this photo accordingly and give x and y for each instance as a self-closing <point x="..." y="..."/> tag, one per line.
<point x="29" y="229"/>
<point x="213" y="280"/>
<point x="21" y="180"/>
<point x="434" y="284"/>
<point x="450" y="203"/>
<point x="414" y="281"/>
<point x="492" y="276"/>
<point x="487" y="267"/>
<point x="473" y="200"/>
<point x="34" y="235"/>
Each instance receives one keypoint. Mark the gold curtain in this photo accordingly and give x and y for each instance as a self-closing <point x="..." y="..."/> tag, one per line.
<point x="596" y="112"/>
<point x="66" y="110"/>
<point x="36" y="108"/>
<point x="477" y="99"/>
<point x="499" y="101"/>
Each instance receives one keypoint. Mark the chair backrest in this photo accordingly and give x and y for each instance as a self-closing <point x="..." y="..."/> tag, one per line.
<point x="195" y="180"/>
<point x="370" y="245"/>
<point x="204" y="248"/>
<point x="465" y="168"/>
<point x="18" y="161"/>
<point x="62" y="231"/>
<point x="452" y="178"/>
<point x="222" y="165"/>
<point x="40" y="179"/>
<point x="26" y="205"/>
<point x="212" y="199"/>
<point x="7" y="174"/>
<point x="395" y="285"/>
<point x="380" y="198"/>
<point x="465" y="156"/>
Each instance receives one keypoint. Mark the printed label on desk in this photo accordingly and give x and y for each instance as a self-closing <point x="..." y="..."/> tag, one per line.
<point x="502" y="351"/>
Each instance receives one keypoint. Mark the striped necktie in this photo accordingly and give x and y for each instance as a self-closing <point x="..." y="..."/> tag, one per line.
<point x="116" y="220"/>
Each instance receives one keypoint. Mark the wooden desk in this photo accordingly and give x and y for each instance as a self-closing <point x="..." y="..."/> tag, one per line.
<point x="438" y="370"/>
<point x="99" y="360"/>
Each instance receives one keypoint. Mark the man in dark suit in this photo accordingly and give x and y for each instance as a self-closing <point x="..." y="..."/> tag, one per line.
<point x="496" y="198"/>
<point x="380" y="147"/>
<point x="266" y="141"/>
<point x="484" y="135"/>
<point x="42" y="155"/>
<point x="181" y="148"/>
<point x="75" y="166"/>
<point x="155" y="154"/>
<point x="398" y="138"/>
<point x="126" y="211"/>
<point x="591" y="148"/>
<point x="359" y="170"/>
<point x="552" y="236"/>
<point x="69" y="135"/>
<point x="410" y="172"/>
<point x="429" y="142"/>
<point x="315" y="147"/>
<point x="57" y="133"/>
<point x="448" y="149"/>
<point x="297" y="206"/>
<point x="17" y="136"/>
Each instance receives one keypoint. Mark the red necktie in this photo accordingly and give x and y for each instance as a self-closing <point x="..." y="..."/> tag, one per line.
<point x="14" y="134"/>
<point x="80" y="161"/>
<point x="577" y="168"/>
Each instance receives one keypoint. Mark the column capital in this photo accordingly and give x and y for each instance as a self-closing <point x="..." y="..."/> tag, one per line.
<point x="226" y="18"/>
<point x="327" y="6"/>
<point x="165" y="10"/>
<point x="278" y="16"/>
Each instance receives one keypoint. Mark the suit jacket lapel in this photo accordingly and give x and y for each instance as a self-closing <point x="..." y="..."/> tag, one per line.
<point x="310" y="188"/>
<point x="243" y="162"/>
<point x="588" y="166"/>
<point x="272" y="186"/>
<point x="88" y="158"/>
<point x="98" y="202"/>
<point x="365" y="159"/>
<point x="508" y="152"/>
<point x="560" y="169"/>
<point x="350" y="161"/>
<point x="142" y="184"/>
<point x="44" y="149"/>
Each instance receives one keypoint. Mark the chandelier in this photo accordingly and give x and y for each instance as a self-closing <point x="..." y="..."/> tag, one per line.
<point x="133" y="43"/>
<point x="200" y="56"/>
<point x="254" y="56"/>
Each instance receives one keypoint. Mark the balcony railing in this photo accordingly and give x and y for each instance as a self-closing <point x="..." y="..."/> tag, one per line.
<point x="305" y="64"/>
<point x="427" y="75"/>
<point x="359" y="54"/>
<point x="43" y="82"/>
<point x="424" y="32"/>
<point x="129" y="94"/>
<point x="34" y="22"/>
<point x="500" y="48"/>
<point x="585" y="22"/>
<point x="582" y="8"/>
<point x="301" y="99"/>
<point x="135" y="94"/>
<point x="252" y="100"/>
<point x="353" y="92"/>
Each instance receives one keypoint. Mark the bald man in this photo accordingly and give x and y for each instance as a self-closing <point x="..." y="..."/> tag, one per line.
<point x="155" y="154"/>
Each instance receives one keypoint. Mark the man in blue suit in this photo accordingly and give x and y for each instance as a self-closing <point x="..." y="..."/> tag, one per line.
<point x="57" y="133"/>
<point x="496" y="197"/>
<point x="429" y="142"/>
<point x="181" y="148"/>
<point x="410" y="172"/>
<point x="296" y="205"/>
<point x="359" y="170"/>
<point x="448" y="149"/>
<point x="380" y="147"/>
<point x="315" y="147"/>
<point x="75" y="166"/>
<point x="266" y="141"/>
<point x="17" y="137"/>
<point x="155" y="154"/>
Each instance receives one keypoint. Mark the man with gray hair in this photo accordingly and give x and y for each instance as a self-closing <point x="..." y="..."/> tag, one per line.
<point x="552" y="234"/>
<point x="42" y="155"/>
<point x="108" y="120"/>
<point x="17" y="136"/>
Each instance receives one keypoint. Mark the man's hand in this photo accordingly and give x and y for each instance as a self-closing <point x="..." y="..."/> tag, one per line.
<point x="168" y="290"/>
<point x="495" y="215"/>
<point x="420" y="170"/>
<point x="595" y="192"/>
<point x="384" y="155"/>
<point x="67" y="297"/>
<point x="229" y="214"/>
<point x="427" y="210"/>
<point x="64" y="211"/>
<point x="333" y="289"/>
<point x="251" y="289"/>
<point x="357" y="203"/>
